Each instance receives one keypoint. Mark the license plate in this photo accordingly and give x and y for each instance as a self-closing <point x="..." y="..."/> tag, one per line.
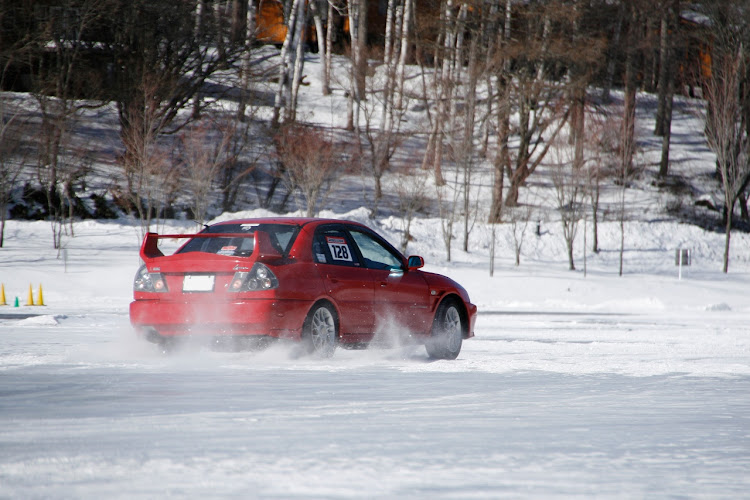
<point x="198" y="283"/>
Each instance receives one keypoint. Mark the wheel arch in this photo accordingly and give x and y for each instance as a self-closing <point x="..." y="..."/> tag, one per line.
<point x="456" y="299"/>
<point x="334" y="309"/>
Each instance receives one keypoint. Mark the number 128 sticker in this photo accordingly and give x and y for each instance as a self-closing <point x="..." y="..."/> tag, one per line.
<point x="339" y="248"/>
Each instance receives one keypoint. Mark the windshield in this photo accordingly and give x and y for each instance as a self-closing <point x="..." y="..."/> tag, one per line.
<point x="281" y="236"/>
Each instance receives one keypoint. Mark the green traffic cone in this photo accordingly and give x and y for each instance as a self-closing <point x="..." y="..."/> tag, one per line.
<point x="16" y="303"/>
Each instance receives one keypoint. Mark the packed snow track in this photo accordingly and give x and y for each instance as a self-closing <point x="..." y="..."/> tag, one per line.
<point x="538" y="405"/>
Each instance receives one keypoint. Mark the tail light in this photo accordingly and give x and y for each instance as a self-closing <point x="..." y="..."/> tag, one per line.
<point x="260" y="277"/>
<point x="149" y="282"/>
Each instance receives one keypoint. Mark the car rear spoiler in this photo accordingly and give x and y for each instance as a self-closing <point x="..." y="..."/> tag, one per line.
<point x="263" y="249"/>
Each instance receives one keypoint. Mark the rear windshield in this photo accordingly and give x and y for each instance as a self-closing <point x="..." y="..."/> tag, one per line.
<point x="281" y="236"/>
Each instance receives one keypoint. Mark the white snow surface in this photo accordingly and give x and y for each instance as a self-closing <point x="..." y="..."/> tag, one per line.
<point x="577" y="383"/>
<point x="574" y="386"/>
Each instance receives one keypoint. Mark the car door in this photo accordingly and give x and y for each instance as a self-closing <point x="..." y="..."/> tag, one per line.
<point x="346" y="280"/>
<point x="401" y="296"/>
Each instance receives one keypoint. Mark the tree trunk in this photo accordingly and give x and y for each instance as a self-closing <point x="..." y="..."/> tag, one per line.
<point x="622" y="229"/>
<point x="246" y="60"/>
<point x="493" y="240"/>
<point x="744" y="214"/>
<point x="595" y="217"/>
<point x="571" y="261"/>
<point x="444" y="86"/>
<point x="501" y="163"/>
<point x="322" y="43"/>
<point x="664" y="57"/>
<point x="355" y="47"/>
<point x="299" y="61"/>
<point x="283" y="92"/>
<point x="614" y="47"/>
<point x="728" y="231"/>
<point x="668" y="98"/>
<point x="388" y="54"/>
<point x="238" y="22"/>
<point x="578" y="125"/>
<point x="329" y="50"/>
<point x="362" y="42"/>
<point x="628" y="121"/>
<point x="403" y="52"/>
<point x="667" y="137"/>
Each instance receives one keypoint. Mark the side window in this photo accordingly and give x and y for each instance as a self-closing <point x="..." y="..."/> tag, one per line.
<point x="332" y="246"/>
<point x="376" y="255"/>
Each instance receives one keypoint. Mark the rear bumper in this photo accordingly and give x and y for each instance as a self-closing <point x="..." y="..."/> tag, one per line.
<point x="262" y="317"/>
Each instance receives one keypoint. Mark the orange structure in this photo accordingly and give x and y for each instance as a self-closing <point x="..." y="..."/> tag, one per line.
<point x="270" y="22"/>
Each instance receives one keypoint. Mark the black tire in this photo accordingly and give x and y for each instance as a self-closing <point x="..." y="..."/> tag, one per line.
<point x="321" y="331"/>
<point x="447" y="332"/>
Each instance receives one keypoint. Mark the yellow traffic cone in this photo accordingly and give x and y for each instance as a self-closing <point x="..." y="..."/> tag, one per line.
<point x="30" y="299"/>
<point x="40" y="297"/>
<point x="2" y="295"/>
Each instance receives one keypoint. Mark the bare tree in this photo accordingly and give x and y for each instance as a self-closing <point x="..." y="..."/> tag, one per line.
<point x="59" y="163"/>
<point x="548" y="65"/>
<point x="602" y="139"/>
<point x="728" y="129"/>
<point x="204" y="150"/>
<point x="334" y="7"/>
<point x="18" y="40"/>
<point x="385" y="105"/>
<point x="568" y="178"/>
<point x="626" y="169"/>
<point x="670" y="23"/>
<point x="150" y="176"/>
<point x="382" y="133"/>
<point x="310" y="162"/>
<point x="411" y="189"/>
<point x="448" y="199"/>
<point x="404" y="22"/>
<point x="448" y="51"/>
<point x="463" y="135"/>
<point x="242" y="157"/>
<point x="357" y="17"/>
<point x="12" y="132"/>
<point x="518" y="218"/>
<point x="614" y="48"/>
<point x="299" y="61"/>
<point x="163" y="62"/>
<point x="60" y="74"/>
<point x="632" y="75"/>
<point x="72" y="174"/>
<point x="501" y="161"/>
<point x="245" y="58"/>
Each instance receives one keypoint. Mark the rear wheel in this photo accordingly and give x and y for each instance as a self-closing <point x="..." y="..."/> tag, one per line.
<point x="321" y="331"/>
<point x="447" y="332"/>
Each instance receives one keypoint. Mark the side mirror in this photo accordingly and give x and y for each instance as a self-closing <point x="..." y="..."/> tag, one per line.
<point x="415" y="262"/>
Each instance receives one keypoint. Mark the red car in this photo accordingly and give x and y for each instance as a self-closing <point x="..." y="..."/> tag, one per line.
<point x="321" y="282"/>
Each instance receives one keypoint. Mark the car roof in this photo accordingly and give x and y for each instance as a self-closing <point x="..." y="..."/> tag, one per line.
<point x="296" y="221"/>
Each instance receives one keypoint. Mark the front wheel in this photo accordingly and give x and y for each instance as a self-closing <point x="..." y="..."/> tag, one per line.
<point x="447" y="332"/>
<point x="321" y="331"/>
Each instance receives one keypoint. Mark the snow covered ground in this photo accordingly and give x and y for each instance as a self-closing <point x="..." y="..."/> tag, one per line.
<point x="597" y="385"/>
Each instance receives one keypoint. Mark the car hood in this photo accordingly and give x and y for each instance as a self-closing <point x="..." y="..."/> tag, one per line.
<point x="445" y="284"/>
